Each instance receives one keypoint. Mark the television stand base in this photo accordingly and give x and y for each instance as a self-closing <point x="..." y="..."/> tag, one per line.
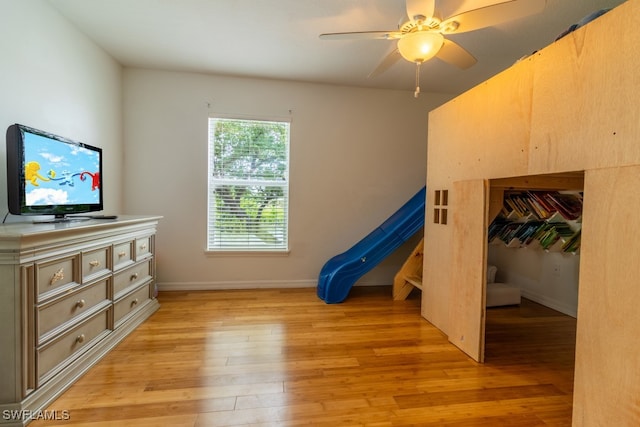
<point x="61" y="219"/>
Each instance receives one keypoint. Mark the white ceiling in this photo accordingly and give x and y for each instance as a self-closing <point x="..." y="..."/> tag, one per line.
<point x="278" y="39"/>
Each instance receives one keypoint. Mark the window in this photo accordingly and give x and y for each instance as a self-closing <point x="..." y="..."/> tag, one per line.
<point x="248" y="185"/>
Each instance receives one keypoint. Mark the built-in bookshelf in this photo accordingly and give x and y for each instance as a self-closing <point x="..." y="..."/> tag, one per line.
<point x="549" y="220"/>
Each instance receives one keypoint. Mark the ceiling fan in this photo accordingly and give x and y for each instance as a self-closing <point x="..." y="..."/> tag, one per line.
<point x="422" y="37"/>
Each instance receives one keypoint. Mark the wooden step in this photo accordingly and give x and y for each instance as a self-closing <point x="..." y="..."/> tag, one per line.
<point x="415" y="281"/>
<point x="410" y="274"/>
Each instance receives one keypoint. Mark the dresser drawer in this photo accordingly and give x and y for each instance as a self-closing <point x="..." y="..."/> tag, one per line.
<point x="95" y="264"/>
<point x="122" y="255"/>
<point x="130" y="304"/>
<point x="58" y="312"/>
<point x="131" y="277"/>
<point x="143" y="247"/>
<point x="58" y="275"/>
<point x="60" y="352"/>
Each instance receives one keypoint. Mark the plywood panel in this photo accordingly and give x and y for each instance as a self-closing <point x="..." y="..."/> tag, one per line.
<point x="607" y="380"/>
<point x="585" y="111"/>
<point x="496" y="201"/>
<point x="483" y="132"/>
<point x="560" y="181"/>
<point x="467" y="299"/>
<point x="436" y="275"/>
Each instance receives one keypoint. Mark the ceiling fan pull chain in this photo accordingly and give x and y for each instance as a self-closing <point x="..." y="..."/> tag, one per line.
<point x="417" y="92"/>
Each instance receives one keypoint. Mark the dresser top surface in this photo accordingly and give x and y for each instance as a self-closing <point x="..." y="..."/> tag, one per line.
<point x="27" y="230"/>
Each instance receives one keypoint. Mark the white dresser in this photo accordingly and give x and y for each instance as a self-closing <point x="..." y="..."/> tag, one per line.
<point x="69" y="292"/>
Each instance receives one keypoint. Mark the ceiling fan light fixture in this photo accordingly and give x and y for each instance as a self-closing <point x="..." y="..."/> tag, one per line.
<point x="420" y="46"/>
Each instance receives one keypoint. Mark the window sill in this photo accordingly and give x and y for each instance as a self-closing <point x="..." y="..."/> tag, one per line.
<point x="246" y="253"/>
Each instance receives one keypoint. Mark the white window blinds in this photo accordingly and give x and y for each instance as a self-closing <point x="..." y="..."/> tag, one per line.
<point x="248" y="185"/>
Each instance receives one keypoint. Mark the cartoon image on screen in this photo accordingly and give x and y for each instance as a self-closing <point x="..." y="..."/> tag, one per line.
<point x="59" y="174"/>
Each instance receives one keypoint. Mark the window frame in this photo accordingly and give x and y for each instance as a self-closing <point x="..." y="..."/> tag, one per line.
<point x="225" y="248"/>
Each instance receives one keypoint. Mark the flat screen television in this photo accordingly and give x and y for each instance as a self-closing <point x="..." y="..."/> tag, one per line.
<point x="51" y="175"/>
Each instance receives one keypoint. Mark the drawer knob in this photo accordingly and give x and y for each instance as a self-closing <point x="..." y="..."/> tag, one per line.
<point x="80" y="303"/>
<point x="80" y="338"/>
<point x="122" y="254"/>
<point x="94" y="263"/>
<point x="57" y="276"/>
<point x="134" y="302"/>
<point x="143" y="246"/>
<point x="133" y="277"/>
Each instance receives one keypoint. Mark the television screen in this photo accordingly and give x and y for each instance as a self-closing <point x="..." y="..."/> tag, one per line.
<point x="51" y="175"/>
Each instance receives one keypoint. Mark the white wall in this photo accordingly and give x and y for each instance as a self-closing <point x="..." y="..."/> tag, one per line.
<point x="549" y="278"/>
<point x="356" y="156"/>
<point x="55" y="79"/>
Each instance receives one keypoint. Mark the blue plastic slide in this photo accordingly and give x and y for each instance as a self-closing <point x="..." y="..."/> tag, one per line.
<point x="340" y="273"/>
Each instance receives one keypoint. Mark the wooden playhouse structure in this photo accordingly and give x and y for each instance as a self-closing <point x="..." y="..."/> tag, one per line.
<point x="565" y="118"/>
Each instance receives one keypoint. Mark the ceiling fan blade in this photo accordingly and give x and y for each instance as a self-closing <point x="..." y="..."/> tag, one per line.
<point x="454" y="54"/>
<point x="393" y="57"/>
<point x="424" y="8"/>
<point x="491" y="15"/>
<point x="362" y="35"/>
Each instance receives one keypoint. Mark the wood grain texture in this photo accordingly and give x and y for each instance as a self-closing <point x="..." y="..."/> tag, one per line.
<point x="585" y="110"/>
<point x="468" y="293"/>
<point x="608" y="351"/>
<point x="285" y="358"/>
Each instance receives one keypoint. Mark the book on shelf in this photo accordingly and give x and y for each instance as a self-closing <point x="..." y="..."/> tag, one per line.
<point x="569" y="206"/>
<point x="527" y="216"/>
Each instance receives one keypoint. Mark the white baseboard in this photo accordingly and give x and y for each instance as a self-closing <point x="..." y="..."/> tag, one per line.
<point x="256" y="284"/>
<point x="550" y="302"/>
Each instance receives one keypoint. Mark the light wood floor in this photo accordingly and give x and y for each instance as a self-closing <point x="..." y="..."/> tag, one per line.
<point x="285" y="358"/>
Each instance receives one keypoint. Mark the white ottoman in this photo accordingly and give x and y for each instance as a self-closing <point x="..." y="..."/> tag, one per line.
<point x="499" y="294"/>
